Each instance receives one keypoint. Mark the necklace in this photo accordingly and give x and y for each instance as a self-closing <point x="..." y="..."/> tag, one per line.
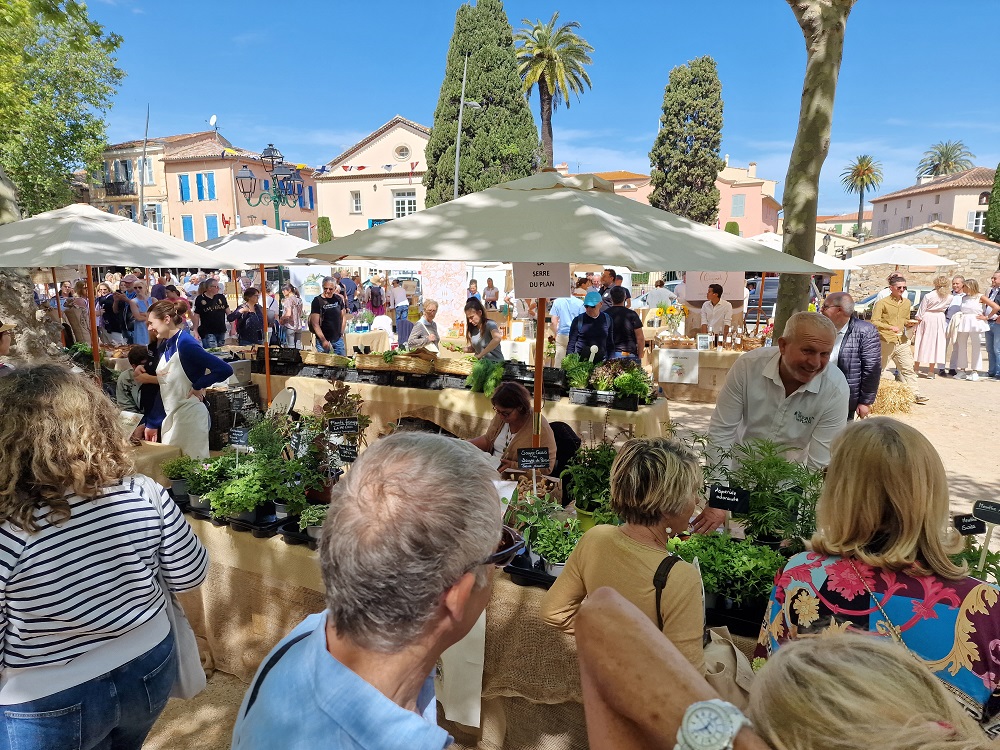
<point x="649" y="532"/>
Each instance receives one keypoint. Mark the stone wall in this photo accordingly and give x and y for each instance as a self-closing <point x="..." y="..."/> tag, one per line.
<point x="976" y="259"/>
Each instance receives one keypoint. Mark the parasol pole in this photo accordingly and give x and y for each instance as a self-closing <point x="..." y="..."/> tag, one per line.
<point x="267" y="338"/>
<point x="536" y="432"/>
<point x="59" y="310"/>
<point x="94" y="343"/>
<point x="760" y="303"/>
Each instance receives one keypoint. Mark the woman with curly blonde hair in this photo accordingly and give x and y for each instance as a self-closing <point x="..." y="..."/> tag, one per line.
<point x="881" y="564"/>
<point x="87" y="655"/>
<point x="931" y="337"/>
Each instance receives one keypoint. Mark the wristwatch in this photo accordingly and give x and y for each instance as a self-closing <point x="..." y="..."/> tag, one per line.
<point x="710" y="725"/>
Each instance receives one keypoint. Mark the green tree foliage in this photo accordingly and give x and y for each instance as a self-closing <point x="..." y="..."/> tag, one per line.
<point x="499" y="141"/>
<point x="685" y="157"/>
<point x="553" y="58"/>
<point x="945" y="158"/>
<point x="323" y="228"/>
<point x="733" y="227"/>
<point x="862" y="175"/>
<point x="57" y="78"/>
<point x="992" y="228"/>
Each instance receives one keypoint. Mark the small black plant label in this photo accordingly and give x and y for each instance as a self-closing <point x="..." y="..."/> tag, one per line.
<point x="533" y="458"/>
<point x="239" y="436"/>
<point x="733" y="499"/>
<point x="347" y="452"/>
<point x="343" y="426"/>
<point x="967" y="524"/>
<point x="987" y="510"/>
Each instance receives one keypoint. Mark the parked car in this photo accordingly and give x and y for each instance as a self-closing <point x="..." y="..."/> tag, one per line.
<point x="914" y="293"/>
<point x="670" y="286"/>
<point x="770" y="298"/>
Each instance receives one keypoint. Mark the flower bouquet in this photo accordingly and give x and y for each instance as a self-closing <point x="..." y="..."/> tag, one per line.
<point x="671" y="315"/>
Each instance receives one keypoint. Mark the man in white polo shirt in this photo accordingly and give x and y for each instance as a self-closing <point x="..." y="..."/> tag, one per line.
<point x="785" y="394"/>
<point x="717" y="313"/>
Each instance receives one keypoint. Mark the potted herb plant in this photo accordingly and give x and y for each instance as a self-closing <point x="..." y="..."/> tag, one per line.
<point x="527" y="512"/>
<point x="578" y="379"/>
<point x="206" y="477"/>
<point x="632" y="387"/>
<point x="587" y="481"/>
<point x="554" y="541"/>
<point x="311" y="519"/>
<point x="177" y="470"/>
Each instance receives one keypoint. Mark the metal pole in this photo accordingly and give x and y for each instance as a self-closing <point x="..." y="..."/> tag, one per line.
<point x="142" y="176"/>
<point x="458" y="136"/>
<point x="59" y="310"/>
<point x="267" y="338"/>
<point x="94" y="343"/>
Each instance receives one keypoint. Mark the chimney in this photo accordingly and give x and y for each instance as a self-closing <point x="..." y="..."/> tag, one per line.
<point x="925" y="178"/>
<point x="752" y="169"/>
<point x="562" y="168"/>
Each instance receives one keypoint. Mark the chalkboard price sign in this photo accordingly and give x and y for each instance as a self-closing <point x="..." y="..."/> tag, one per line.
<point x="967" y="524"/>
<point x="347" y="452"/>
<point x="987" y="510"/>
<point x="533" y="458"/>
<point x="239" y="436"/>
<point x="343" y="426"/>
<point x="733" y="499"/>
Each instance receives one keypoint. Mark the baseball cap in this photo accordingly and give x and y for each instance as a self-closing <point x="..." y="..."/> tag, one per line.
<point x="593" y="299"/>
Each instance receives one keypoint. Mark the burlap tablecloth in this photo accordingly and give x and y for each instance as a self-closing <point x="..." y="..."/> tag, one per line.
<point x="149" y="456"/>
<point x="468" y="414"/>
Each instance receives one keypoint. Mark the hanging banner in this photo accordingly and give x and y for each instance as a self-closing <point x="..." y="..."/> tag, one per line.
<point x="534" y="280"/>
<point x="309" y="281"/>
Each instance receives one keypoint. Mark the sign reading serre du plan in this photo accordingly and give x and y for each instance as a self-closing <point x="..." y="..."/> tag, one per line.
<point x="533" y="458"/>
<point x="549" y="280"/>
<point x="733" y="499"/>
<point x="343" y="426"/>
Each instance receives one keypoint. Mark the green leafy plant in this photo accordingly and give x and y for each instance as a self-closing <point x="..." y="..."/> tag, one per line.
<point x="577" y="370"/>
<point x="485" y="377"/>
<point x="589" y="475"/>
<point x="314" y="515"/>
<point x="205" y="477"/>
<point x="179" y="468"/>
<point x="971" y="554"/>
<point x="526" y="512"/>
<point x="269" y="436"/>
<point x="388" y="356"/>
<point x="736" y="569"/>
<point x="554" y="540"/>
<point x="783" y="494"/>
<point x="366" y="317"/>
<point x="635" y="382"/>
<point x="494" y="380"/>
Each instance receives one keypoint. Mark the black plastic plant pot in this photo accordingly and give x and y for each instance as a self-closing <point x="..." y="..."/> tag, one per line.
<point x="626" y="403"/>
<point x="742" y="619"/>
<point x="554" y="376"/>
<point x="583" y="396"/>
<point x="515" y="371"/>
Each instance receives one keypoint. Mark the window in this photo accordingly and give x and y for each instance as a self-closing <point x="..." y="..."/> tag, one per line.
<point x="906" y="222"/>
<point x="298" y="229"/>
<point x="153" y="214"/>
<point x="312" y="201"/>
<point x="883" y="227"/>
<point x="885" y="207"/>
<point x="937" y="199"/>
<point x="187" y="228"/>
<point x="739" y="206"/>
<point x="355" y="201"/>
<point x="123" y="170"/>
<point x="933" y="217"/>
<point x="838" y="228"/>
<point x="402" y="152"/>
<point x="299" y="191"/>
<point x="984" y="199"/>
<point x="404" y="203"/>
<point x="267" y="186"/>
<point x="211" y="227"/>
<point x="907" y="204"/>
<point x="145" y="168"/>
<point x="185" y="185"/>
<point x="977" y="221"/>
<point x="205" y="185"/>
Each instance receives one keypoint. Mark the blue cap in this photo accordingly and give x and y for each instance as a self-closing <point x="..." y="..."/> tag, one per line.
<point x="593" y="299"/>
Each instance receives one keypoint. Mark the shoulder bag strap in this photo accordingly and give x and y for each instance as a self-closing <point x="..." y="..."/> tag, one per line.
<point x="268" y="667"/>
<point x="659" y="581"/>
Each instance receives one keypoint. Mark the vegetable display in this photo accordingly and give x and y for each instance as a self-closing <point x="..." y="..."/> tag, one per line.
<point x="736" y="569"/>
<point x="577" y="370"/>
<point x="485" y="377"/>
<point x="555" y="540"/>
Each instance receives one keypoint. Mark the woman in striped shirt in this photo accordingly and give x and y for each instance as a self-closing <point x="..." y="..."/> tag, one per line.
<point x="86" y="654"/>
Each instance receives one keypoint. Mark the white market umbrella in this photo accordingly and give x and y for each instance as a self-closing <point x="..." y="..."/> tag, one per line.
<point x="900" y="255"/>
<point x="829" y="262"/>
<point x="549" y="217"/>
<point x="256" y="245"/>
<point x="81" y="235"/>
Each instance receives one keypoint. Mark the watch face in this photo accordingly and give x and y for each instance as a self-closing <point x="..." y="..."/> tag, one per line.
<point x="708" y="728"/>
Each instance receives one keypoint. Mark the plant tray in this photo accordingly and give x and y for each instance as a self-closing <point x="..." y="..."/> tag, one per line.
<point x="337" y="373"/>
<point x="452" y="381"/>
<point x="554" y="376"/>
<point x="583" y="396"/>
<point x="352" y="376"/>
<point x="375" y="378"/>
<point x="434" y="383"/>
<point x="206" y="515"/>
<point x="290" y="533"/>
<point x="522" y="573"/>
<point x="259" y="530"/>
<point x="312" y="371"/>
<point x="516" y="371"/>
<point x="280" y="354"/>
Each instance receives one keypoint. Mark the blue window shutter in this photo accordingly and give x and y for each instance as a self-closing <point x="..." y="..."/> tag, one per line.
<point x="159" y="217"/>
<point x="267" y="186"/>
<point x="210" y="179"/>
<point x="301" y="201"/>
<point x="185" y="183"/>
<point x="284" y="225"/>
<point x="199" y="180"/>
<point x="211" y="226"/>
<point x="312" y="203"/>
<point x="187" y="227"/>
<point x="263" y="222"/>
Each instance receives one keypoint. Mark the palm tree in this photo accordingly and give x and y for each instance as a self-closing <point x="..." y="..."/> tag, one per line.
<point x="945" y="158"/>
<point x="554" y="58"/>
<point x="862" y="175"/>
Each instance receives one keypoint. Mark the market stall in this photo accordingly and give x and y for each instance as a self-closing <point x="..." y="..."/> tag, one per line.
<point x="692" y="375"/>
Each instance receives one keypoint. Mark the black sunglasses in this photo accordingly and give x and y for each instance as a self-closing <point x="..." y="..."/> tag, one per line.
<point x="510" y="546"/>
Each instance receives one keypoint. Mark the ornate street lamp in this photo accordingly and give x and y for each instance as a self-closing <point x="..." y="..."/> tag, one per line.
<point x="283" y="189"/>
<point x="269" y="157"/>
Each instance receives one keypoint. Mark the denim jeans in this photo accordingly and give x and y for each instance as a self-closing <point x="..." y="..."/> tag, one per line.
<point x="993" y="349"/>
<point x="402" y="311"/>
<point x="112" y="712"/>
<point x="213" y="340"/>
<point x="339" y="347"/>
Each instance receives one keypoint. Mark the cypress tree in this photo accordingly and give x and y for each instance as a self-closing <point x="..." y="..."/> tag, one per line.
<point x="992" y="227"/>
<point x="499" y="141"/>
<point x="685" y="157"/>
<point x="733" y="227"/>
<point x="324" y="229"/>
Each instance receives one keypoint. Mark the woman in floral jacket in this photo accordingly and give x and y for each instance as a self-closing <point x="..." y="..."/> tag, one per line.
<point x="880" y="564"/>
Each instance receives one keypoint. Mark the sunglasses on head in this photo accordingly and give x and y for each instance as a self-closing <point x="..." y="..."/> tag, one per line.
<point x="901" y="287"/>
<point x="510" y="546"/>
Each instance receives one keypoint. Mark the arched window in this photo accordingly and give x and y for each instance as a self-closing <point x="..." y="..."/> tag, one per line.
<point x="984" y="198"/>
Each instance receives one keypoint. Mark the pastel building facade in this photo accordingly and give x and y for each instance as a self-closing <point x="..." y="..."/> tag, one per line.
<point x="959" y="200"/>
<point x="747" y="199"/>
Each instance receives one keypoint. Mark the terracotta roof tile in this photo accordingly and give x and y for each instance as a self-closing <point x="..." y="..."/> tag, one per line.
<point x="208" y="150"/>
<point x="977" y="177"/>
<point x="834" y="218"/>
<point x="163" y="140"/>
<point x="621" y="174"/>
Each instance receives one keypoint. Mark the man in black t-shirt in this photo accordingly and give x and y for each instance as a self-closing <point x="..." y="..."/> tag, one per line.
<point x="115" y="322"/>
<point x="209" y="314"/>
<point x="328" y="319"/>
<point x="626" y="327"/>
<point x="619" y="281"/>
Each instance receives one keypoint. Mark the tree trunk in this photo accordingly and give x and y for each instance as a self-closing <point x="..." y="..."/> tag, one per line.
<point x="861" y="213"/>
<point x="545" y="97"/>
<point x="823" y="23"/>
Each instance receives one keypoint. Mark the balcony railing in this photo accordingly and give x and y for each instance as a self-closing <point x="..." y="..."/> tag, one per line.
<point x="119" y="188"/>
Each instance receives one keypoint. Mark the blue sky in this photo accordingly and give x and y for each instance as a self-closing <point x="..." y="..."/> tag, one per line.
<point x="315" y="77"/>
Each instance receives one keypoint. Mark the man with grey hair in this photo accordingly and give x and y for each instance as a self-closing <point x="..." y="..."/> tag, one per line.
<point x="328" y="318"/>
<point x="407" y="554"/>
<point x="785" y="394"/>
<point x="857" y="351"/>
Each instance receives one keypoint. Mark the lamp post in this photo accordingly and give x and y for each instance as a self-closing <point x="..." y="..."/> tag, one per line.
<point x="462" y="104"/>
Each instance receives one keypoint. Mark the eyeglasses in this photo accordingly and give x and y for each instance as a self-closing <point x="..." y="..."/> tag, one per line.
<point x="510" y="546"/>
<point x="828" y="306"/>
<point x="504" y="413"/>
<point x="329" y="289"/>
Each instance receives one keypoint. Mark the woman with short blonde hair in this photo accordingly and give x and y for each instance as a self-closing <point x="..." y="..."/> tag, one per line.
<point x="880" y="564"/>
<point x="655" y="483"/>
<point x="969" y="325"/>
<point x="931" y="337"/>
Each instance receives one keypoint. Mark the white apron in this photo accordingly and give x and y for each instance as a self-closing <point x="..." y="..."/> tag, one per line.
<point x="187" y="422"/>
